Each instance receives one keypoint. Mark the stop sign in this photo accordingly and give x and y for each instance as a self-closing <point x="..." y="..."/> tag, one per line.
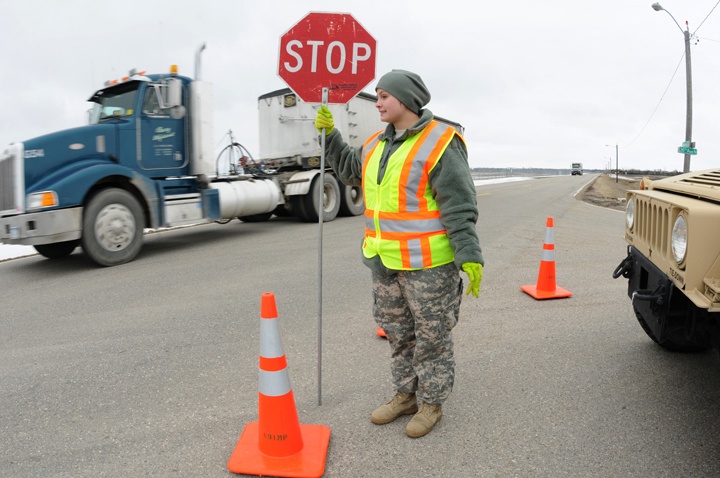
<point x="327" y="50"/>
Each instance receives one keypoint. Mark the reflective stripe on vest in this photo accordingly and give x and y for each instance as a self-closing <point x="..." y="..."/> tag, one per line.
<point x="402" y="218"/>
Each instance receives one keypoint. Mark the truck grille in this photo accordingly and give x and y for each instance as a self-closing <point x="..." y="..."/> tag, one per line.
<point x="11" y="174"/>
<point x="652" y="225"/>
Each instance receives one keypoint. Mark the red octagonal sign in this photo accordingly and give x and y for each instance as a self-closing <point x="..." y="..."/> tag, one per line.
<point x="327" y="50"/>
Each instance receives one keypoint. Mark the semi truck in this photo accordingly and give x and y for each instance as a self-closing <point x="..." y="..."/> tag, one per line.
<point x="673" y="259"/>
<point x="147" y="161"/>
<point x="577" y="169"/>
<point x="288" y="143"/>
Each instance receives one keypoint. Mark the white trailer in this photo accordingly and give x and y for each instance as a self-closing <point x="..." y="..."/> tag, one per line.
<point x="290" y="145"/>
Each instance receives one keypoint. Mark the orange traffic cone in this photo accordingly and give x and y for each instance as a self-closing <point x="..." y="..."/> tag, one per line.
<point x="277" y="444"/>
<point x="546" y="287"/>
<point x="381" y="332"/>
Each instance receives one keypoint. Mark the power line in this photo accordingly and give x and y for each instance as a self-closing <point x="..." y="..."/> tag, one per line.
<point x="707" y="39"/>
<point x="673" y="75"/>
<point x="658" y="103"/>
<point x="706" y="17"/>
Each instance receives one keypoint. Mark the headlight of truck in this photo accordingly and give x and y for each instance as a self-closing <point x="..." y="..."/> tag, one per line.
<point x="679" y="239"/>
<point x="630" y="212"/>
<point x="41" y="200"/>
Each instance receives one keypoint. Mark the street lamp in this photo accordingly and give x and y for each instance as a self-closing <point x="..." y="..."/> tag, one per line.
<point x="688" y="77"/>
<point x="616" y="161"/>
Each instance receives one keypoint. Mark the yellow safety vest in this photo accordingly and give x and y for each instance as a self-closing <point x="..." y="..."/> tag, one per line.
<point x="402" y="218"/>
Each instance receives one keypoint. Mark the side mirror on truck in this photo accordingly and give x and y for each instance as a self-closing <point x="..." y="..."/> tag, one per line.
<point x="167" y="97"/>
<point x="174" y="93"/>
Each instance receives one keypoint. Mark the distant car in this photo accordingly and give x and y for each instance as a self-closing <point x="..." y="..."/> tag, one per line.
<point x="577" y="169"/>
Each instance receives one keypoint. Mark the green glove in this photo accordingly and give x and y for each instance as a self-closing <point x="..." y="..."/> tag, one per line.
<point x="324" y="119"/>
<point x="474" y="271"/>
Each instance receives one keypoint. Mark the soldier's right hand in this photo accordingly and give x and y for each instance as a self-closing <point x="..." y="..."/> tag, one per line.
<point x="324" y="120"/>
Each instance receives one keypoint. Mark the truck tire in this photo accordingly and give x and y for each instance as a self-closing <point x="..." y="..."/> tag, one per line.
<point x="331" y="200"/>
<point x="351" y="200"/>
<point x="256" y="217"/>
<point x="297" y="206"/>
<point x="58" y="249"/>
<point x="678" y="341"/>
<point x="282" y="211"/>
<point x="112" y="227"/>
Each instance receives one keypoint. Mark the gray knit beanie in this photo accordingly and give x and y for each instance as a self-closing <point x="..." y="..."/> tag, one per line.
<point x="407" y="87"/>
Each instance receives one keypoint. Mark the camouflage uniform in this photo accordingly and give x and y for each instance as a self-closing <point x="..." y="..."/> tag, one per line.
<point x="418" y="310"/>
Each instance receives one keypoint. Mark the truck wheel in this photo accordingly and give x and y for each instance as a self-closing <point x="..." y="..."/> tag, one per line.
<point x="677" y="341"/>
<point x="256" y="217"/>
<point x="297" y="206"/>
<point x="282" y="211"/>
<point x="331" y="199"/>
<point x="112" y="227"/>
<point x="57" y="250"/>
<point x="351" y="200"/>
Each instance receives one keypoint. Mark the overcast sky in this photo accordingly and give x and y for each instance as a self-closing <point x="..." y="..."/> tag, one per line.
<point x="534" y="83"/>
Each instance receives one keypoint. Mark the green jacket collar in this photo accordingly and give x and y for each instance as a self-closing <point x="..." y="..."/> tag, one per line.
<point x="425" y="117"/>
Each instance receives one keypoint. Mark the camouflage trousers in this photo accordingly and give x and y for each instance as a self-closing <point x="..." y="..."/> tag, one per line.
<point x="418" y="310"/>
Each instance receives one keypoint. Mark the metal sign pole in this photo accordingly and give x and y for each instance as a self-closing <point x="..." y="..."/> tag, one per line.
<point x="303" y="74"/>
<point x="320" y="210"/>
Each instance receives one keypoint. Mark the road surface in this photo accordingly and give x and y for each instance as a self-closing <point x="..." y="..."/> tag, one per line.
<point x="150" y="368"/>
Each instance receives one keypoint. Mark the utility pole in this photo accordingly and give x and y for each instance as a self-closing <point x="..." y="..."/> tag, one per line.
<point x="689" y="112"/>
<point x="688" y="80"/>
<point x="617" y="168"/>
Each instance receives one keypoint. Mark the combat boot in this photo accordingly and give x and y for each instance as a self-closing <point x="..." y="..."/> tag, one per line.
<point x="424" y="420"/>
<point x="401" y="404"/>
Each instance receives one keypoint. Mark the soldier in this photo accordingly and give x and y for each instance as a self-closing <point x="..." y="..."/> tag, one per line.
<point x="420" y="217"/>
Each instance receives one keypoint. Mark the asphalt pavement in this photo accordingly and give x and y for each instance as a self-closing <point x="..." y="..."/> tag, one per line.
<point x="149" y="369"/>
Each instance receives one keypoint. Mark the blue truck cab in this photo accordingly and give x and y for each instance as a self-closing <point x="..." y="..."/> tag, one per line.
<point x="144" y="161"/>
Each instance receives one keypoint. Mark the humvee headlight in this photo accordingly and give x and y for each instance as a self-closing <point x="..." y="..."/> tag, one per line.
<point x="679" y="239"/>
<point x="630" y="213"/>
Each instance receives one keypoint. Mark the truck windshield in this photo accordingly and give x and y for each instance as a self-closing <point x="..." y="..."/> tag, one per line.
<point x="114" y="102"/>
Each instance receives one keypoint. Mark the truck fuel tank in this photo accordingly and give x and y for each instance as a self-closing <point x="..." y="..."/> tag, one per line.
<point x="247" y="197"/>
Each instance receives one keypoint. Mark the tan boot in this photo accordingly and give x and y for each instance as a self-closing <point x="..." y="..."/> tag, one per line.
<point x="424" y="420"/>
<point x="401" y="404"/>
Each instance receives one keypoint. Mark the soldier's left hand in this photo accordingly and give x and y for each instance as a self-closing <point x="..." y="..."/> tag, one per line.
<point x="474" y="271"/>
